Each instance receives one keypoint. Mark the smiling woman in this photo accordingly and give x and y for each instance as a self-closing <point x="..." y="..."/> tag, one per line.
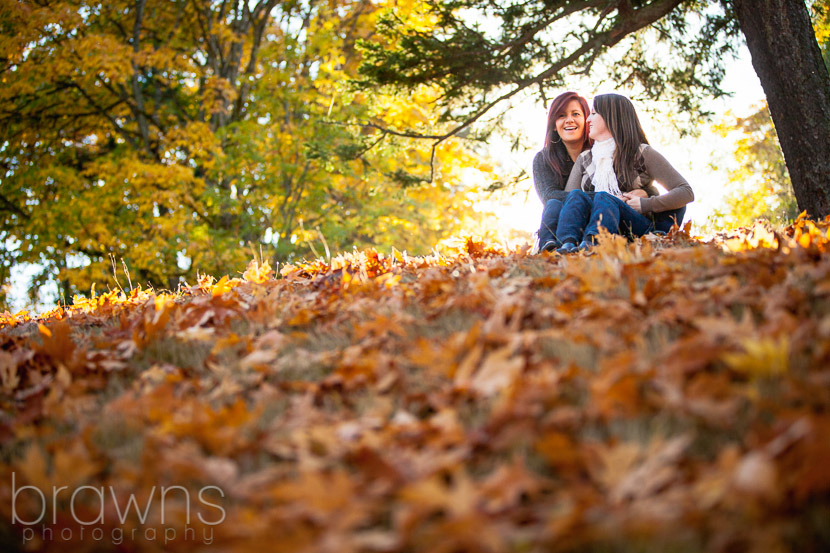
<point x="565" y="138"/>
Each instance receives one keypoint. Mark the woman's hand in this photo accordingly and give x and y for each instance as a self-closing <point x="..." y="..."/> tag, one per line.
<point x="633" y="199"/>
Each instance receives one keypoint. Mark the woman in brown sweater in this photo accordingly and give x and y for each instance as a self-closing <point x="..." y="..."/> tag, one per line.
<point x="619" y="164"/>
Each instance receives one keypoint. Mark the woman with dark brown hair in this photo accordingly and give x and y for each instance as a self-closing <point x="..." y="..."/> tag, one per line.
<point x="605" y="185"/>
<point x="566" y="137"/>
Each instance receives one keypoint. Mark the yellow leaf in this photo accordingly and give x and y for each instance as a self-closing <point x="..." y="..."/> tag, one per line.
<point x="224" y="285"/>
<point x="766" y="357"/>
<point x="256" y="272"/>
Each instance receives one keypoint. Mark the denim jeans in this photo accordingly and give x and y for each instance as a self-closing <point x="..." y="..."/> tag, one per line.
<point x="582" y="215"/>
<point x="550" y="219"/>
<point x="664" y="221"/>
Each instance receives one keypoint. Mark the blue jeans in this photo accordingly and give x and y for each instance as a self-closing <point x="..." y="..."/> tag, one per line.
<point x="550" y="219"/>
<point x="582" y="215"/>
<point x="664" y="221"/>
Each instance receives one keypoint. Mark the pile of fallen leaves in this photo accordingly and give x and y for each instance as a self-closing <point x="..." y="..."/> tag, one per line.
<point x="664" y="395"/>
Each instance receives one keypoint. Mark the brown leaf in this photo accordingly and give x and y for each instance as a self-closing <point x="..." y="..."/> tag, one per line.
<point x="757" y="475"/>
<point x="498" y="372"/>
<point x="57" y="342"/>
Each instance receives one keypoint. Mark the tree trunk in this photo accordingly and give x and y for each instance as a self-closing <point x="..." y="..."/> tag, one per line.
<point x="787" y="59"/>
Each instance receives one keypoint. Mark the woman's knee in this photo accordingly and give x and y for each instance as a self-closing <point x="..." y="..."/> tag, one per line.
<point x="604" y="198"/>
<point x="578" y="196"/>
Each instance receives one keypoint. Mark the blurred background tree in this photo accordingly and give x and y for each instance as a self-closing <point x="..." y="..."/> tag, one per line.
<point x="759" y="182"/>
<point x="821" y="23"/>
<point x="183" y="136"/>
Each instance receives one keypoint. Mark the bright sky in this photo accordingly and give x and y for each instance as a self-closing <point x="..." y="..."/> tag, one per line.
<point x="691" y="156"/>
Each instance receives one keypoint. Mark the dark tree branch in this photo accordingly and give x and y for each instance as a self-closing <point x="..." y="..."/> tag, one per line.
<point x="106" y="115"/>
<point x="530" y="34"/>
<point x="138" y="96"/>
<point x="14" y="208"/>
<point x="633" y="21"/>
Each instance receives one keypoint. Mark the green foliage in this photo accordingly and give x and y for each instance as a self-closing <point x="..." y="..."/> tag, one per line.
<point x="478" y="51"/>
<point x="179" y="136"/>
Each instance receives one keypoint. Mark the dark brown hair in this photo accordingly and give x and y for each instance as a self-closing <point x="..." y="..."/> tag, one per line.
<point x="556" y="154"/>
<point x="624" y="125"/>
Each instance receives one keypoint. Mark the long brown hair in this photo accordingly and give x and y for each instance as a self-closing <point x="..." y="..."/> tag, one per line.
<point x="556" y="154"/>
<point x="624" y="125"/>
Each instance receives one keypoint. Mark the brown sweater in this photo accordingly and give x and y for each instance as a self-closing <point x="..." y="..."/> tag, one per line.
<point x="656" y="168"/>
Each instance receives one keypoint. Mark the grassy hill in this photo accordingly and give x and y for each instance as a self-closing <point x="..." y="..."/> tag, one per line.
<point x="667" y="395"/>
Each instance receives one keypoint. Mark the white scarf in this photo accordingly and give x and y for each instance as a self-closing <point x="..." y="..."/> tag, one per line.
<point x="604" y="179"/>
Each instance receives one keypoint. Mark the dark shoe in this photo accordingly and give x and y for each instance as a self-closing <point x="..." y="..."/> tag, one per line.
<point x="588" y="244"/>
<point x="567" y="247"/>
<point x="551" y="245"/>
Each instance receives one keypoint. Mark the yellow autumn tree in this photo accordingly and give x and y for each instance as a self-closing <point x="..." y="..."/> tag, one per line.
<point x="760" y="186"/>
<point x="180" y="136"/>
